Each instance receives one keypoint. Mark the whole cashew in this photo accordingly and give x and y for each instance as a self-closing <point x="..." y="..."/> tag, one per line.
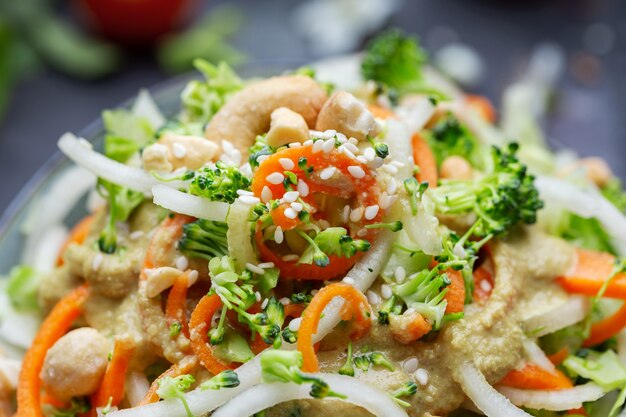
<point x="248" y="113"/>
<point x="346" y="114"/>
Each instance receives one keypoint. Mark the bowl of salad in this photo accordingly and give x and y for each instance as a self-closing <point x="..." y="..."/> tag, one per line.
<point x="355" y="237"/>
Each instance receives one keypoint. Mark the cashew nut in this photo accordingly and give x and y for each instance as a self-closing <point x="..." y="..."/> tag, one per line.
<point x="247" y="114"/>
<point x="174" y="151"/>
<point x="75" y="364"/>
<point x="347" y="114"/>
<point x="456" y="168"/>
<point x="286" y="126"/>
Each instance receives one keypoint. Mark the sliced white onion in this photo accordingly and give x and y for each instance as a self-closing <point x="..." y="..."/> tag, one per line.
<point x="188" y="204"/>
<point x="136" y="387"/>
<point x="537" y="356"/>
<point x="559" y="400"/>
<point x="415" y="115"/>
<point x="19" y="329"/>
<point x="82" y="154"/>
<point x="46" y="249"/>
<point x="398" y="140"/>
<point x="146" y="107"/>
<point x="573" y="311"/>
<point x="484" y="396"/>
<point x="238" y="234"/>
<point x="10" y="371"/>
<point x="263" y="396"/>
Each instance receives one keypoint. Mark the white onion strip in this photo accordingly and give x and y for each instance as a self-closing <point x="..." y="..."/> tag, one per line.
<point x="82" y="154"/>
<point x="574" y="310"/>
<point x="484" y="396"/>
<point x="188" y="204"/>
<point x="136" y="387"/>
<point x="238" y="235"/>
<point x="559" y="400"/>
<point x="537" y="356"/>
<point x="264" y="396"/>
<point x="364" y="274"/>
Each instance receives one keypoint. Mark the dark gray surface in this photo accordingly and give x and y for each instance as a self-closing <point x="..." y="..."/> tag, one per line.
<point x="590" y="118"/>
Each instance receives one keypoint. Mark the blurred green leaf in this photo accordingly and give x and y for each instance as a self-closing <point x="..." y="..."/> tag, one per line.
<point x="207" y="40"/>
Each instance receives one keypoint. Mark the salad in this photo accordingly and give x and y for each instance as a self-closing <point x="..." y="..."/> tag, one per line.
<point x="355" y="238"/>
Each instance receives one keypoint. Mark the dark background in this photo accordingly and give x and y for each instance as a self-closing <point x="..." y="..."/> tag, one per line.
<point x="590" y="115"/>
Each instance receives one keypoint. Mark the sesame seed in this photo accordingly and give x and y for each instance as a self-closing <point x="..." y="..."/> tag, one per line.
<point x="246" y="170"/>
<point x="179" y="150"/>
<point x="371" y="212"/>
<point x="341" y="137"/>
<point x="249" y="199"/>
<point x="303" y="188"/>
<point x="385" y="291"/>
<point x="278" y="235"/>
<point x="96" y="262"/>
<point x="290" y="213"/>
<point x="297" y="206"/>
<point x="410" y="365"/>
<point x="356" y="214"/>
<point x="294" y="325"/>
<point x="329" y="145"/>
<point x="323" y="224"/>
<point x="307" y="142"/>
<point x="257" y="296"/>
<point x="317" y="146"/>
<point x="421" y="376"/>
<point x="353" y="141"/>
<point x="356" y="171"/>
<point x="392" y="186"/>
<point x="369" y="154"/>
<point x="295" y="145"/>
<point x="345" y="213"/>
<point x="377" y="162"/>
<point x="275" y="178"/>
<point x="262" y="158"/>
<point x="361" y="159"/>
<point x="342" y="149"/>
<point x="244" y="192"/>
<point x="266" y="194"/>
<point x="286" y="163"/>
<point x="193" y="277"/>
<point x="265" y="303"/>
<point x="400" y="274"/>
<point x="290" y="258"/>
<point x="253" y="268"/>
<point x="291" y="196"/>
<point x="137" y="234"/>
<point x="348" y="280"/>
<point x="285" y="301"/>
<point x="485" y="285"/>
<point x="391" y="169"/>
<point x="398" y="164"/>
<point x="266" y="265"/>
<point x="182" y="263"/>
<point x="373" y="298"/>
<point x="314" y="292"/>
<point x="361" y="232"/>
<point x="330" y="133"/>
<point x="383" y="200"/>
<point x="351" y="147"/>
<point x="327" y="173"/>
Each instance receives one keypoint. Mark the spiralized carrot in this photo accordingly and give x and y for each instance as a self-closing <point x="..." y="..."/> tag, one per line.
<point x="482" y="106"/>
<point x="111" y="389"/>
<point x="355" y="305"/>
<point x="58" y="322"/>
<point x="381" y="112"/>
<point x="456" y="292"/>
<point x="590" y="271"/>
<point x="175" y="309"/>
<point x="532" y="376"/>
<point x="183" y="367"/>
<point x="558" y="357"/>
<point x="198" y="332"/>
<point x="425" y="160"/>
<point x="606" y="328"/>
<point x="77" y="235"/>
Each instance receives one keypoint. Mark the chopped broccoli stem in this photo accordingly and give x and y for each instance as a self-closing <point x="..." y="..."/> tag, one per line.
<point x="216" y="335"/>
<point x="204" y="239"/>
<point x="225" y="379"/>
<point x="415" y="190"/>
<point x="333" y="241"/>
<point x="348" y="367"/>
<point x="390" y="306"/>
<point x="175" y="388"/>
<point x="122" y="202"/>
<point x="408" y="389"/>
<point x="393" y="226"/>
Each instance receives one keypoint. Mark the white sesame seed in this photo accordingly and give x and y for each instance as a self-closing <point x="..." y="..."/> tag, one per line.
<point x="182" y="263"/>
<point x="421" y="376"/>
<point x="361" y="159"/>
<point x="330" y="133"/>
<point x="371" y="212"/>
<point x="385" y="291"/>
<point x="294" y="325"/>
<point x="392" y="186"/>
<point x="244" y="192"/>
<point x="257" y="296"/>
<point x="341" y="137"/>
<point x="376" y="163"/>
<point x="362" y="232"/>
<point x="137" y="234"/>
<point x="290" y="258"/>
<point x="369" y="154"/>
<point x="329" y="145"/>
<point x="356" y="214"/>
<point x="297" y="206"/>
<point x="398" y="164"/>
<point x="345" y="214"/>
<point x="314" y="292"/>
<point x="342" y="149"/>
<point x="285" y="301"/>
<point x="179" y="150"/>
<point x="400" y="274"/>
<point x="303" y="188"/>
<point x="410" y="365"/>
<point x="353" y="141"/>
<point x="246" y="170"/>
<point x="295" y="145"/>
<point x="249" y="199"/>
<point x="286" y="163"/>
<point x="290" y="213"/>
<point x="317" y="146"/>
<point x="275" y="178"/>
<point x="348" y="280"/>
<point x="262" y="158"/>
<point x="485" y="285"/>
<point x="356" y="171"/>
<point x="255" y="269"/>
<point x="265" y="303"/>
<point x="391" y="169"/>
<point x="193" y="277"/>
<point x="266" y="194"/>
<point x="278" y="235"/>
<point x="373" y="298"/>
<point x="96" y="262"/>
<point x="291" y="196"/>
<point x="383" y="200"/>
<point x="266" y="265"/>
<point x="351" y="147"/>
<point x="327" y="173"/>
<point x="324" y="224"/>
<point x="307" y="142"/>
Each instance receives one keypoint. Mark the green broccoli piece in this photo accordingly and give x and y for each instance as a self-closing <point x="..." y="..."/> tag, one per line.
<point x="78" y="406"/>
<point x="225" y="379"/>
<point x="122" y="202"/>
<point x="219" y="183"/>
<point x="175" y="388"/>
<point x="415" y="190"/>
<point x="348" y="367"/>
<point x="259" y="149"/>
<point x="333" y="241"/>
<point x="390" y="306"/>
<point x="614" y="192"/>
<point x="407" y="389"/>
<point x="392" y="226"/>
<point x="204" y="239"/>
<point x="448" y="137"/>
<point x="284" y="366"/>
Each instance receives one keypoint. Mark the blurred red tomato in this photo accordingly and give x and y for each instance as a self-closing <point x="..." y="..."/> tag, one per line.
<point x="134" y="22"/>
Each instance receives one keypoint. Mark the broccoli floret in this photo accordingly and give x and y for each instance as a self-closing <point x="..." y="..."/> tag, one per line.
<point x="219" y="183"/>
<point x="172" y="388"/>
<point x="259" y="149"/>
<point x="333" y="241"/>
<point x="284" y="366"/>
<point x="392" y="226"/>
<point x="122" y="202"/>
<point x="204" y="239"/>
<point x="225" y="379"/>
<point x="448" y="137"/>
<point x="390" y="306"/>
<point x="381" y="149"/>
<point x="500" y="199"/>
<point x="394" y="60"/>
<point x="415" y="190"/>
<point x="406" y="390"/>
<point x="348" y="367"/>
